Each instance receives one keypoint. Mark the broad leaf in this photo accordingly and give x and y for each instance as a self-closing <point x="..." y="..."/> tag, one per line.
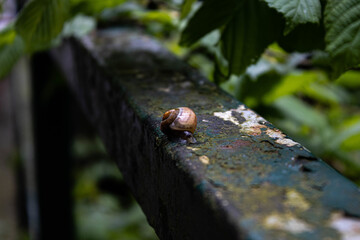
<point x="297" y="11"/>
<point x="211" y="15"/>
<point x="304" y="38"/>
<point x="7" y="36"/>
<point x="41" y="21"/>
<point x="326" y="93"/>
<point x="350" y="79"/>
<point x="253" y="27"/>
<point x="290" y="84"/>
<point x="251" y="91"/>
<point x="162" y="17"/>
<point x="349" y="137"/>
<point x="297" y="110"/>
<point x="9" y="54"/>
<point x="186" y="8"/>
<point x="79" y="26"/>
<point x="92" y="7"/>
<point x="342" y="22"/>
<point x="352" y="143"/>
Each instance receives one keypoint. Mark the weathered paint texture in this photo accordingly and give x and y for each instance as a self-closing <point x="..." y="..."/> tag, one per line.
<point x="242" y="179"/>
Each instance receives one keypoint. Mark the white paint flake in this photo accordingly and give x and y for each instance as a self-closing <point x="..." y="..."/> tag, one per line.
<point x="280" y="137"/>
<point x="227" y="116"/>
<point x="348" y="227"/>
<point x="193" y="148"/>
<point x="254" y="124"/>
<point x="286" y="222"/>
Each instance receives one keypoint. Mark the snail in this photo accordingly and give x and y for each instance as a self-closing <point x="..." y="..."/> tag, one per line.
<point x="179" y="122"/>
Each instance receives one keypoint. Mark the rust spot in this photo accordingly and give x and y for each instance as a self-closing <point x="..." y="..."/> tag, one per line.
<point x="236" y="144"/>
<point x="256" y="130"/>
<point x="226" y="147"/>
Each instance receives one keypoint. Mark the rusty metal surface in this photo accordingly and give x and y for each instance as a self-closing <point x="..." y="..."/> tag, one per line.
<point x="242" y="179"/>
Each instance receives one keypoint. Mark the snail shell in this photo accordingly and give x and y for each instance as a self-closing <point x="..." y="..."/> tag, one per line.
<point x="180" y="122"/>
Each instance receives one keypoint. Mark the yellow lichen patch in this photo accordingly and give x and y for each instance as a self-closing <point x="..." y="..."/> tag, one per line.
<point x="286" y="222"/>
<point x="348" y="227"/>
<point x="262" y="199"/>
<point x="204" y="159"/>
<point x="295" y="200"/>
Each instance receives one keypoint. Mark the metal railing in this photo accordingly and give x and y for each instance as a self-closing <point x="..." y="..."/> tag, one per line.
<point x="242" y="179"/>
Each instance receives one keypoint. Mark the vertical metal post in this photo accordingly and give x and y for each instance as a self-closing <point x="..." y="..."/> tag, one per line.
<point x="52" y="135"/>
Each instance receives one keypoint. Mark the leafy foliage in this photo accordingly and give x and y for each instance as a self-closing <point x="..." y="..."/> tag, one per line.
<point x="92" y="7"/>
<point x="212" y="14"/>
<point x="304" y="38"/>
<point x="186" y="8"/>
<point x="246" y="35"/>
<point x="342" y="22"/>
<point x="249" y="29"/>
<point x="78" y="26"/>
<point x="11" y="48"/>
<point x="297" y="11"/>
<point x="7" y="36"/>
<point x="41" y="21"/>
<point x="39" y="24"/>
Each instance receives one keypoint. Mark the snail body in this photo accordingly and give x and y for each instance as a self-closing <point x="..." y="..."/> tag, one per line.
<point x="180" y="122"/>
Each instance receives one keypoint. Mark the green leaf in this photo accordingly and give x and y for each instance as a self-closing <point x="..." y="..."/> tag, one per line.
<point x="290" y="84"/>
<point x="326" y="93"/>
<point x="342" y="23"/>
<point x="349" y="137"/>
<point x="186" y="8"/>
<point x="9" y="54"/>
<point x="41" y="21"/>
<point x="304" y="38"/>
<point x="297" y="11"/>
<point x="352" y="143"/>
<point x="93" y="7"/>
<point x="297" y="110"/>
<point x="350" y="79"/>
<point x="211" y="15"/>
<point x="79" y="26"/>
<point x="251" y="91"/>
<point x="162" y="17"/>
<point x="7" y="36"/>
<point x="253" y="27"/>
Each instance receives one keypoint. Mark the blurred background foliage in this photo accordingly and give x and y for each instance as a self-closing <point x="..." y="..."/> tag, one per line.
<point x="294" y="62"/>
<point x="104" y="207"/>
